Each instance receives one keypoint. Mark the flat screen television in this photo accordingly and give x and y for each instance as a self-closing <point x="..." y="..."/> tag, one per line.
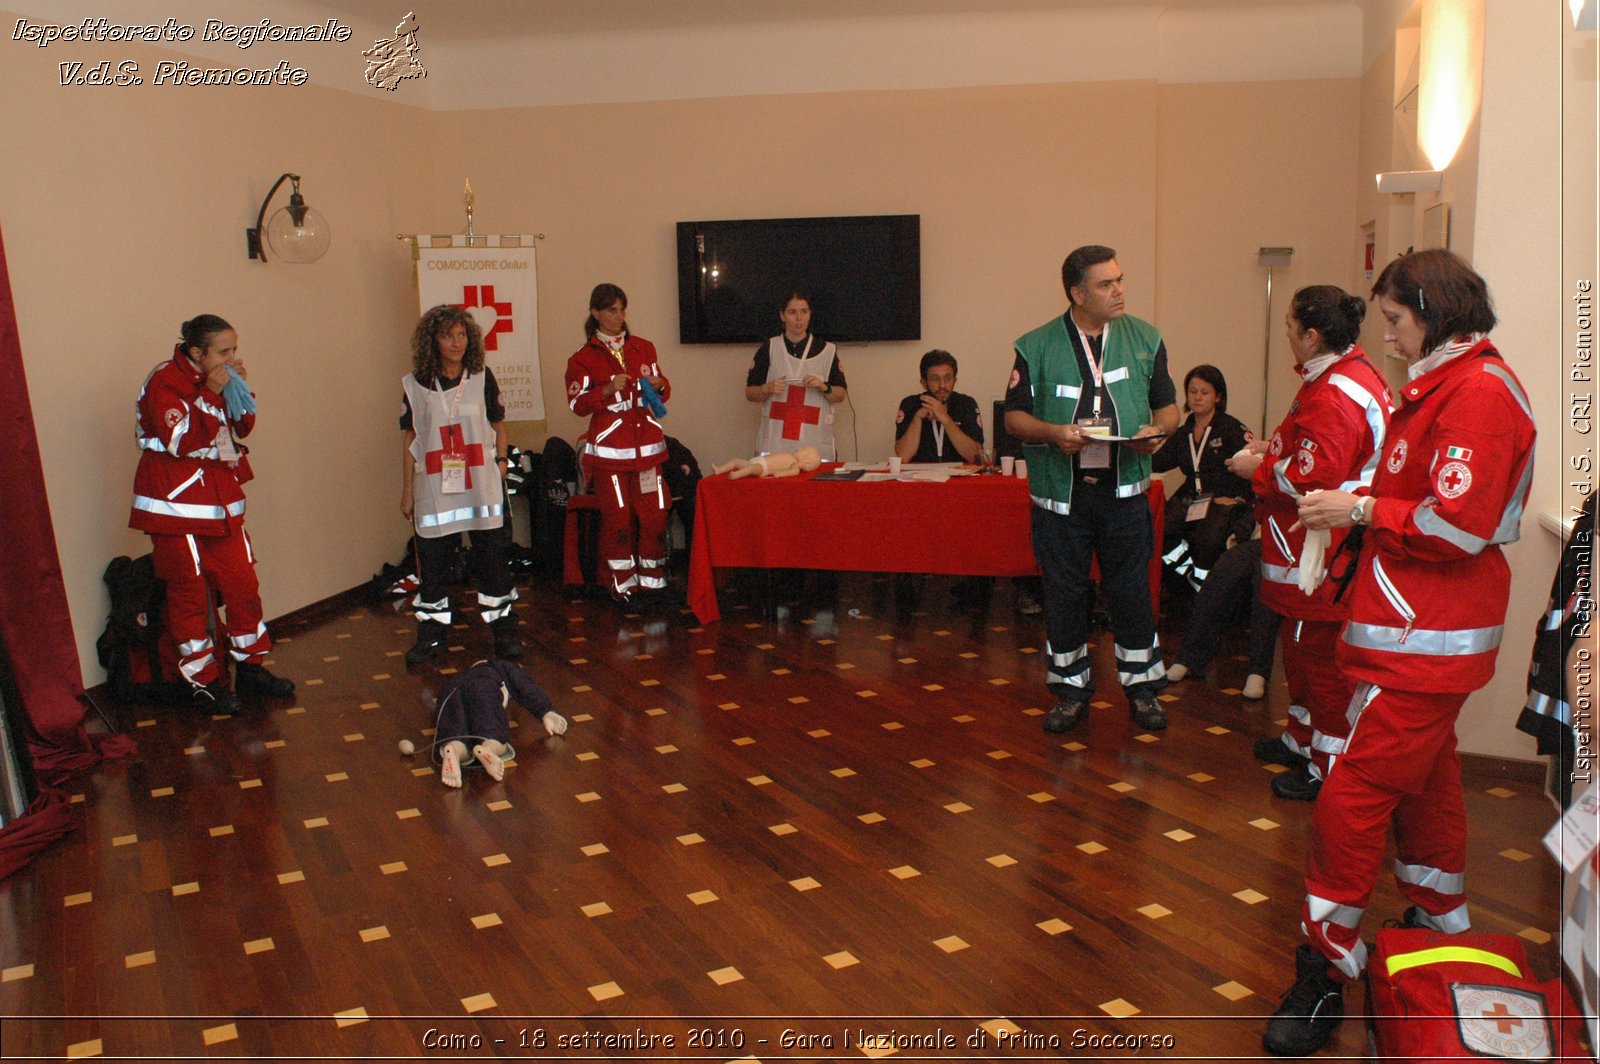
<point x="864" y="275"/>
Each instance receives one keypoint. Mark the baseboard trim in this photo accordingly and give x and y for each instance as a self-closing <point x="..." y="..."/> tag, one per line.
<point x="1503" y="768"/>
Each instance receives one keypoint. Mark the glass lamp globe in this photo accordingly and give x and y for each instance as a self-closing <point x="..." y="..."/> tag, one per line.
<point x="298" y="233"/>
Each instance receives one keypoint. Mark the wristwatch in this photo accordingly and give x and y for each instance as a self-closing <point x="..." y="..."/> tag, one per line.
<point x="1358" y="512"/>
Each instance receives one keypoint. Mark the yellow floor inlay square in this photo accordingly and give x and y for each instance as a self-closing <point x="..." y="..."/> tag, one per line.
<point x="588" y="755"/>
<point x="655" y="711"/>
<point x="951" y="943"/>
<point x="1501" y="792"/>
<point x="842" y="773"/>
<point x="499" y="806"/>
<point x="724" y="976"/>
<point x="967" y="655"/>
<point x="1533" y="934"/>
<point x="999" y="681"/>
<point x="657" y="683"/>
<point x="1275" y="769"/>
<point x="422" y="771"/>
<point x="478" y="1002"/>
<point x="723" y="705"/>
<point x="588" y="796"/>
<point x="1179" y="835"/>
<point x="1233" y="991"/>
<point x="258" y="945"/>
<point x="1249" y="896"/>
<point x="192" y="750"/>
<point x="690" y="839"/>
<point x="595" y="849"/>
<point x="91" y="1048"/>
<point x="1092" y="847"/>
<point x="337" y="777"/>
<point x="958" y="808"/>
<point x="245" y="785"/>
<point x="1217" y="729"/>
<point x="702" y="897"/>
<point x="866" y="694"/>
<point x="1118" y="1008"/>
<point x="294" y="711"/>
<point x="1201" y="777"/>
<point x="486" y="921"/>
<point x="843" y="959"/>
<point x="1264" y="824"/>
<point x="758" y="781"/>
<point x="392" y="868"/>
<point x="891" y="725"/>
<point x="350" y="1017"/>
<point x="124" y="840"/>
<point x="577" y="661"/>
<point x="780" y="672"/>
<point x="933" y="687"/>
<point x="804" y="883"/>
<point x="906" y="661"/>
<point x="605" y="991"/>
<point x="596" y="908"/>
<point x="1515" y="855"/>
<point x="581" y="689"/>
<point x="495" y="860"/>
<point x="1053" y="926"/>
<point x="20" y="971"/>
<point x="162" y="792"/>
<point x="923" y="762"/>
<point x="1100" y="705"/>
<point x="871" y="818"/>
<point x="227" y="1032"/>
<point x="1074" y="746"/>
<point x="666" y="748"/>
<point x="1001" y="860"/>
<point x="1042" y="797"/>
<point x="743" y="740"/>
<point x="964" y="718"/>
<point x="841" y="665"/>
<point x="285" y="878"/>
<point x="407" y="814"/>
<point x="674" y="788"/>
<point x="582" y="718"/>
<point x="274" y="744"/>
<point x="370" y="705"/>
<point x="885" y="638"/>
<point x="783" y="829"/>
<point x="180" y="889"/>
<point x="904" y="872"/>
<point x="318" y="683"/>
<point x="374" y="934"/>
<point x="999" y="755"/>
<point x="139" y="960"/>
<point x="1153" y="911"/>
<point x="798" y="700"/>
<point x="1146" y="737"/>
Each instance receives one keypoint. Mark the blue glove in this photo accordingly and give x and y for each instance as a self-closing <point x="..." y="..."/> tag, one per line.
<point x="237" y="394"/>
<point x="651" y="399"/>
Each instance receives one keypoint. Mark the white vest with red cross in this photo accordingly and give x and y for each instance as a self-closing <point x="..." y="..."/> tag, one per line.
<point x="800" y="416"/>
<point x="453" y="423"/>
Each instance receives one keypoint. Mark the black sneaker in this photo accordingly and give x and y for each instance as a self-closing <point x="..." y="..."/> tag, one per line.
<point x="215" y="699"/>
<point x="1147" y="713"/>
<point x="1274" y="752"/>
<point x="1311" y="1011"/>
<point x="1067" y="714"/>
<point x="1298" y="784"/>
<point x="424" y="649"/>
<point x="250" y="678"/>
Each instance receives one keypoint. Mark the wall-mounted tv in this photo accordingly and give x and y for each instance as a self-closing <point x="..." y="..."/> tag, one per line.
<point x="864" y="275"/>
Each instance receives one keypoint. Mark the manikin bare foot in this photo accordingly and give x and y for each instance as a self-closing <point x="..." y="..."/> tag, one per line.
<point x="450" y="764"/>
<point x="487" y="754"/>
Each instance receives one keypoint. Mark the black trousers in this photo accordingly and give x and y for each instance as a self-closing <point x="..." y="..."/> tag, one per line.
<point x="1119" y="534"/>
<point x="436" y="563"/>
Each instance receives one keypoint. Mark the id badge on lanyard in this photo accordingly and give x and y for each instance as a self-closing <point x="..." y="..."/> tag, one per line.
<point x="649" y="481"/>
<point x="1198" y="508"/>
<point x="1095" y="455"/>
<point x="453" y="463"/>
<point x="1202" y="504"/>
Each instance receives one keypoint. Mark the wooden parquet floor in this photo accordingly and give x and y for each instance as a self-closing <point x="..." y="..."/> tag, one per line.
<point x="841" y="821"/>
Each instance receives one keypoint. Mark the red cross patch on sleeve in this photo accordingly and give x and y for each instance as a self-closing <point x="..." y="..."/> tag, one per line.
<point x="173" y="416"/>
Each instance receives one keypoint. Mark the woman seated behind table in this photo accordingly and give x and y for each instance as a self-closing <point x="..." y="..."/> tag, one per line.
<point x="798" y="381"/>
<point x="1203" y="513"/>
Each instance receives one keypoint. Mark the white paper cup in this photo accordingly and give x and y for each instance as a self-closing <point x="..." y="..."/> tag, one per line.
<point x="1008" y="465"/>
<point x="894" y="465"/>
<point x="1022" y="469"/>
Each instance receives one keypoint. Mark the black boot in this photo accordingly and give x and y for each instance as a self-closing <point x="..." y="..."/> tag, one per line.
<point x="1311" y="1011"/>
<point x="251" y="678"/>
<point x="216" y="699"/>
<point x="1298" y="784"/>
<point x="430" y="640"/>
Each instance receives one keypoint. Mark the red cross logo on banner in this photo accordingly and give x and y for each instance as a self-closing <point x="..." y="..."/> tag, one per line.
<point x="475" y="297"/>
<point x="1503" y="1019"/>
<point x="793" y="412"/>
<point x="451" y="441"/>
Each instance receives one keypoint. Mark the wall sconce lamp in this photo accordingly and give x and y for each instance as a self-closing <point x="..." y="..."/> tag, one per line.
<point x="1397" y="182"/>
<point x="1585" y="14"/>
<point x="296" y="233"/>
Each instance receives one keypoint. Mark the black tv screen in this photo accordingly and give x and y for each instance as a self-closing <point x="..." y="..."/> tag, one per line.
<point x="864" y="275"/>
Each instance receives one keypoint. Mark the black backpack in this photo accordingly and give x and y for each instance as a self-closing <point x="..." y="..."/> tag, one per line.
<point x="138" y="654"/>
<point x="557" y="481"/>
<point x="682" y="473"/>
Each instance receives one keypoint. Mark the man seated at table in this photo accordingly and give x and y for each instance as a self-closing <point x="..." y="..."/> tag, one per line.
<point x="939" y="424"/>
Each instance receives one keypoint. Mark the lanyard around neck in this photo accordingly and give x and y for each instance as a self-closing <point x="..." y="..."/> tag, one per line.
<point x="455" y="400"/>
<point x="1094" y="363"/>
<point x="1197" y="450"/>
<point x="798" y="361"/>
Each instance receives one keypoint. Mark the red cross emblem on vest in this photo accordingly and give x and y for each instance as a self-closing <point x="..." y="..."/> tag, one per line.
<point x="1502" y="1018"/>
<point x="793" y="412"/>
<point x="451" y="441"/>
<point x="475" y="296"/>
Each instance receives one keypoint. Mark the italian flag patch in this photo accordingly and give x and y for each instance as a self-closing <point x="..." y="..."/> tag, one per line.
<point x="1460" y="454"/>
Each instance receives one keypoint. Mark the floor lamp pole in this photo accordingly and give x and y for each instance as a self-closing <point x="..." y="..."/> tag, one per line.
<point x="1269" y="257"/>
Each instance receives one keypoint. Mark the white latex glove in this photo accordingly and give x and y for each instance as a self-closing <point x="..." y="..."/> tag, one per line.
<point x="555" y="723"/>
<point x="1314" y="558"/>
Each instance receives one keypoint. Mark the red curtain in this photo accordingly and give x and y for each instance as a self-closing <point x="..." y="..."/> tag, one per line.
<point x="35" y="625"/>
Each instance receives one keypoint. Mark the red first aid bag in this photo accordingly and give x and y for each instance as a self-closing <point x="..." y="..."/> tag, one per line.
<point x="1432" y="997"/>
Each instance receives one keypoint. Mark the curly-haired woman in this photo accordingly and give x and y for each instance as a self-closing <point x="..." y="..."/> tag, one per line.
<point x="453" y="422"/>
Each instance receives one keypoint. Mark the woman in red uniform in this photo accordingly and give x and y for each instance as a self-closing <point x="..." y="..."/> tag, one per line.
<point x="188" y="496"/>
<point x="1426" y="609"/>
<point x="1329" y="440"/>
<point x="624" y="448"/>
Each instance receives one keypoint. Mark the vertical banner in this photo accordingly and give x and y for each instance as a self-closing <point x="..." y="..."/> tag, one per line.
<point x="496" y="281"/>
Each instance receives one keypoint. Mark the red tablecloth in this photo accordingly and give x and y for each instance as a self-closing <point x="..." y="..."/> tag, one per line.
<point x="966" y="526"/>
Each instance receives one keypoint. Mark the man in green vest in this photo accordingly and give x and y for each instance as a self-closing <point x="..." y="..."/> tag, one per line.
<point x="1092" y="373"/>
